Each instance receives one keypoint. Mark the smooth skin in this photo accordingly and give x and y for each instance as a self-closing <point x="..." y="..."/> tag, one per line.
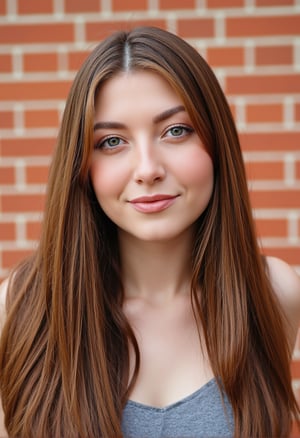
<point x="145" y="145"/>
<point x="139" y="152"/>
<point x="153" y="150"/>
<point x="153" y="177"/>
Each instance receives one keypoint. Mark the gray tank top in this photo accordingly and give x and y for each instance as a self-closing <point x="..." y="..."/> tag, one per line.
<point x="201" y="414"/>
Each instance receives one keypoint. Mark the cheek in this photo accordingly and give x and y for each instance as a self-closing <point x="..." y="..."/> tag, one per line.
<point x="197" y="169"/>
<point x="105" y="179"/>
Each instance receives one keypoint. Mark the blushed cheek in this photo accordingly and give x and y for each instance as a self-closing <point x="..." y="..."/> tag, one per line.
<point x="99" y="180"/>
<point x="107" y="181"/>
<point x="198" y="170"/>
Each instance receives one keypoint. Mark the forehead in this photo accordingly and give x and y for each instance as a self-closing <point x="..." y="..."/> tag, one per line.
<point x="138" y="89"/>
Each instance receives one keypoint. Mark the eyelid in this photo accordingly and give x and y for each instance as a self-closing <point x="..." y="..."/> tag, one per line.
<point x="185" y="126"/>
<point x="99" y="144"/>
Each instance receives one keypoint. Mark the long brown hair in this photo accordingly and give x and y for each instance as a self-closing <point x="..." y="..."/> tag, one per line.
<point x="64" y="354"/>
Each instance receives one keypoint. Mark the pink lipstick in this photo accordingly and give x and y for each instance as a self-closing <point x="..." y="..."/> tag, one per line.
<point x="152" y="203"/>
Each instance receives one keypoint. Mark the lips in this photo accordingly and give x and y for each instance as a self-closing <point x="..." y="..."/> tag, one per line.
<point x="153" y="203"/>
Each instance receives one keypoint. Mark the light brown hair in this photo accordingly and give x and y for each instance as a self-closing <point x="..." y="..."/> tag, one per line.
<point x="64" y="353"/>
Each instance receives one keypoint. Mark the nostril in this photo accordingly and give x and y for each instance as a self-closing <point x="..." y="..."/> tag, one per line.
<point x="149" y="172"/>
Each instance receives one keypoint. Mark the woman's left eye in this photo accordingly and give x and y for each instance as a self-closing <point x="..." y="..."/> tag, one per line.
<point x="178" y="131"/>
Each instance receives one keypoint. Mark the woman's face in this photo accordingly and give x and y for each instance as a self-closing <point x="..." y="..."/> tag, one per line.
<point x="150" y="171"/>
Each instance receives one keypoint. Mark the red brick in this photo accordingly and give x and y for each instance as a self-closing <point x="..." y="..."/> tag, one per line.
<point x="273" y="3"/>
<point x="35" y="6"/>
<point x="41" y="118"/>
<point x="196" y="27"/>
<point x="6" y="119"/>
<point x="274" y="55"/>
<point x="257" y="84"/>
<point x="295" y="368"/>
<point x="290" y="254"/>
<point x="76" y="59"/>
<point x="271" y="227"/>
<point x="7" y="175"/>
<point x="225" y="56"/>
<point x="270" y="141"/>
<point x="33" y="230"/>
<point x="264" y="113"/>
<point x="265" y="171"/>
<point x="129" y="5"/>
<point x="16" y="91"/>
<point x="263" y="26"/>
<point x="82" y="6"/>
<point x="96" y="31"/>
<point x="224" y="3"/>
<point x="37" y="174"/>
<point x="275" y="199"/>
<point x="297" y="112"/>
<point x="2" y="7"/>
<point x="33" y="33"/>
<point x="177" y="4"/>
<point x="22" y="203"/>
<point x="26" y="147"/>
<point x="11" y="258"/>
<point x="35" y="62"/>
<point x="5" y="63"/>
<point x="7" y="231"/>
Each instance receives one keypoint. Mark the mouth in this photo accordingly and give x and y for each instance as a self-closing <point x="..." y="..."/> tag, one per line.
<point x="153" y="203"/>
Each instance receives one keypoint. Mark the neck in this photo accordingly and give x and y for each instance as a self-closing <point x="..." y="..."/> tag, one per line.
<point x="156" y="271"/>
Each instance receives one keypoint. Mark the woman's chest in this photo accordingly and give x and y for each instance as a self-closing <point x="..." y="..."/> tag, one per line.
<point x="174" y="362"/>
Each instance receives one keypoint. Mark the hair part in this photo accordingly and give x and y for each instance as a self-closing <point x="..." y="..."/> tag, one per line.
<point x="126" y="58"/>
<point x="64" y="352"/>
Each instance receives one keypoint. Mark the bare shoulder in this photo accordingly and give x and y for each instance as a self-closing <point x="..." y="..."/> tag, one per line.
<point x="3" y="294"/>
<point x="3" y="432"/>
<point x="285" y="282"/>
<point x="286" y="285"/>
<point x="3" y="290"/>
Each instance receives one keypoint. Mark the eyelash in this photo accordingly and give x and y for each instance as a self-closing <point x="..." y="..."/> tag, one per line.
<point x="101" y="143"/>
<point x="186" y="130"/>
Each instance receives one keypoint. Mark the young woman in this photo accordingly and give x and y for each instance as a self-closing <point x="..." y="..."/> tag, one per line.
<point x="147" y="309"/>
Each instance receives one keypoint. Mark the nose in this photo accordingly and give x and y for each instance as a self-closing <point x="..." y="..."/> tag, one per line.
<point x="149" y="167"/>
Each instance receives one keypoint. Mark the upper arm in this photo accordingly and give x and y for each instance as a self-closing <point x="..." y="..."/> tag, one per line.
<point x="3" y="293"/>
<point x="286" y="285"/>
<point x="3" y="432"/>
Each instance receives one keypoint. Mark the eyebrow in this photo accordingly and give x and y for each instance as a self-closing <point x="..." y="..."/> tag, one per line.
<point x="157" y="119"/>
<point x="109" y="125"/>
<point x="168" y="113"/>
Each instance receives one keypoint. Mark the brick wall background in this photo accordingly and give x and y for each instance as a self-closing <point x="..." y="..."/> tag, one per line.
<point x="252" y="45"/>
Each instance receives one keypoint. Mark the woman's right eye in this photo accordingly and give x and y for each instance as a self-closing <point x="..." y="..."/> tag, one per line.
<point x="109" y="143"/>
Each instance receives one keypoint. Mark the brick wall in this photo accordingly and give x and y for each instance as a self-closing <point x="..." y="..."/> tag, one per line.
<point x="254" y="48"/>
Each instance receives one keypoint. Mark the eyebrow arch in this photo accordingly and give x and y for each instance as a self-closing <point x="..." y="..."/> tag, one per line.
<point x="109" y="125"/>
<point x="168" y="113"/>
<point x="157" y="119"/>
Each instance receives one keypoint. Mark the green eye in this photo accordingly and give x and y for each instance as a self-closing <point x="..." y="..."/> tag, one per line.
<point x="112" y="141"/>
<point x="177" y="131"/>
<point x="109" y="143"/>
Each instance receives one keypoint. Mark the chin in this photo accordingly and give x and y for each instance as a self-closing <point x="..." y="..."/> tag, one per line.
<point x="156" y="235"/>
